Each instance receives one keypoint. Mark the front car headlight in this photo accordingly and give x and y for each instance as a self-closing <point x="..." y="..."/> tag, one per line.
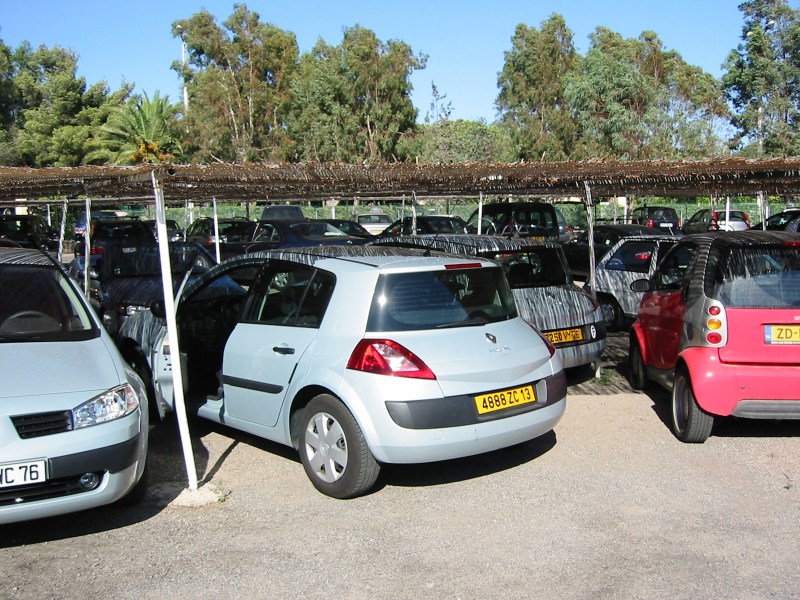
<point x="113" y="404"/>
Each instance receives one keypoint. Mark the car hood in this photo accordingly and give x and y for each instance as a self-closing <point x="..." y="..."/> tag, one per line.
<point x="58" y="369"/>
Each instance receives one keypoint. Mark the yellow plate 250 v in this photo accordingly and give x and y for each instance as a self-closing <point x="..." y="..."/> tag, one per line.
<point x="486" y="403"/>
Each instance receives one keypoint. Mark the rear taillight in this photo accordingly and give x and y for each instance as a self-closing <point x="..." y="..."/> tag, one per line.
<point x="651" y="223"/>
<point x="386" y="357"/>
<point x="715" y="328"/>
<point x="97" y="250"/>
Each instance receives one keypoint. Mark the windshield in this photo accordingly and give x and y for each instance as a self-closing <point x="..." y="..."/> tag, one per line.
<point x="756" y="277"/>
<point x="316" y="229"/>
<point x="38" y="304"/>
<point x="540" y="267"/>
<point x="441" y="298"/>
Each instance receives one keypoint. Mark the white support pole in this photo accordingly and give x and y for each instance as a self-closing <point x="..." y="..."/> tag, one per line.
<point x="590" y="229"/>
<point x="480" y="213"/>
<point x="87" y="245"/>
<point x="216" y="227"/>
<point x="61" y="229"/>
<point x="172" y="328"/>
<point x="728" y="214"/>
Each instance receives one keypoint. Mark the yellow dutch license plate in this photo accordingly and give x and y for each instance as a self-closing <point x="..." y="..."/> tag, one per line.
<point x="564" y="335"/>
<point x="487" y="403"/>
<point x="782" y="334"/>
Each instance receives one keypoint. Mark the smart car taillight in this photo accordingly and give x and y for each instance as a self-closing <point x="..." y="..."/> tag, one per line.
<point x="714" y="326"/>
<point x="386" y="357"/>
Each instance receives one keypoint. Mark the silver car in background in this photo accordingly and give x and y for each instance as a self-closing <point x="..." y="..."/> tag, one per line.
<point x="73" y="415"/>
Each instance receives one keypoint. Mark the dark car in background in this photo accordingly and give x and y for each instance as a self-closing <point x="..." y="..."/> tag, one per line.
<point x="349" y="227"/>
<point x="28" y="231"/>
<point x="235" y="235"/>
<point x="605" y="236"/>
<point x="284" y="233"/>
<point x="535" y="220"/>
<point x="127" y="277"/>
<point x="657" y="217"/>
<point x="174" y="231"/>
<point x="423" y="224"/>
<point x="545" y="294"/>
<point x="707" y="219"/>
<point x="103" y="232"/>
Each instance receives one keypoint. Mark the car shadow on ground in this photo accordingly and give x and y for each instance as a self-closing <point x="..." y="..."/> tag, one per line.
<point x="461" y="469"/>
<point x="729" y="427"/>
<point x="165" y="464"/>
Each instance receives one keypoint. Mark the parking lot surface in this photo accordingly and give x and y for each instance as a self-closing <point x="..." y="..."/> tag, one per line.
<point x="609" y="505"/>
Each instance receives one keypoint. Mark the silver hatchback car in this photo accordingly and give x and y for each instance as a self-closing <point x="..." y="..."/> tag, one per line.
<point x="73" y="417"/>
<point x="361" y="356"/>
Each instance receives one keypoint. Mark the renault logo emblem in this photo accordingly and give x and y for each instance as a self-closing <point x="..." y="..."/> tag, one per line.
<point x="491" y="338"/>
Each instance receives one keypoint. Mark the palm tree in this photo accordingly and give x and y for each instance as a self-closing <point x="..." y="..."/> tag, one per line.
<point x="140" y="131"/>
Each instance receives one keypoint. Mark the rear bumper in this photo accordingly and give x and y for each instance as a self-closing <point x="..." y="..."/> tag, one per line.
<point x="752" y="391"/>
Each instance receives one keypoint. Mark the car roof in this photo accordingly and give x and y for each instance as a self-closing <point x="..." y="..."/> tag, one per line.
<point x="25" y="256"/>
<point x="464" y="242"/>
<point x="749" y="237"/>
<point x="373" y="256"/>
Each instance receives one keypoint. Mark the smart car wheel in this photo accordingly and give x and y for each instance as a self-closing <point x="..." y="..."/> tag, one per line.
<point x="637" y="373"/>
<point x="333" y="450"/>
<point x="612" y="313"/>
<point x="689" y="422"/>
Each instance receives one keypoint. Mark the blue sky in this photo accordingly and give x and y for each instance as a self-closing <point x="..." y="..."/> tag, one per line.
<point x="464" y="40"/>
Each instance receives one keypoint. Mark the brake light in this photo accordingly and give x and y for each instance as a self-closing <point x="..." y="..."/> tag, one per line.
<point x="464" y="266"/>
<point x="642" y="256"/>
<point x="386" y="357"/>
<point x="97" y="250"/>
<point x="651" y="223"/>
<point x="714" y="329"/>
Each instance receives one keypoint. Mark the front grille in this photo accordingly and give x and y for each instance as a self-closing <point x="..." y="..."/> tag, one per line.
<point x="53" y="488"/>
<point x="31" y="426"/>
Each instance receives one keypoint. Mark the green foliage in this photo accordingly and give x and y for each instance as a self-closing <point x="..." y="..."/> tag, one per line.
<point x="457" y="141"/>
<point x="238" y="78"/>
<point x="140" y="131"/>
<point x="762" y="81"/>
<point x="352" y="101"/>
<point x="532" y="86"/>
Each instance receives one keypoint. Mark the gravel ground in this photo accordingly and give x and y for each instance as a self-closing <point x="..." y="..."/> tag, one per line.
<point x="609" y="505"/>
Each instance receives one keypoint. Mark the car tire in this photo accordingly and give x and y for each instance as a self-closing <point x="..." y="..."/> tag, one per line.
<point x="637" y="372"/>
<point x="333" y="450"/>
<point x="611" y="311"/>
<point x="690" y="423"/>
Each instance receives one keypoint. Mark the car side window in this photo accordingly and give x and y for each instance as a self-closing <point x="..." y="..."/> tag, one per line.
<point x="291" y="295"/>
<point x="673" y="270"/>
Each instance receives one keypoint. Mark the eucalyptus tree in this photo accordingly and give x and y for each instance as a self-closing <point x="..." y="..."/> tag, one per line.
<point x="237" y="75"/>
<point x="762" y="79"/>
<point x="352" y="102"/>
<point x="532" y="101"/>
<point x="635" y="100"/>
<point x="140" y="131"/>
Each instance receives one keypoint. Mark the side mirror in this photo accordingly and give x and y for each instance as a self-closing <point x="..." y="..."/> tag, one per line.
<point x="158" y="309"/>
<point x="640" y="285"/>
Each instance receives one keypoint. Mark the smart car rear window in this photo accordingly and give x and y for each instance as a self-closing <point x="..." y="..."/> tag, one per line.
<point x="755" y="277"/>
<point x="441" y="298"/>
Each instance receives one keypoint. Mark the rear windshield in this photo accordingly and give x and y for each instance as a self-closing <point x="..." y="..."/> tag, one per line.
<point x="38" y="304"/>
<point x="755" y="277"/>
<point x="439" y="299"/>
<point x="540" y="267"/>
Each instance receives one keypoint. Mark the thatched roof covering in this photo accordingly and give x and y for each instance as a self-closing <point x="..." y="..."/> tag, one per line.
<point x="260" y="182"/>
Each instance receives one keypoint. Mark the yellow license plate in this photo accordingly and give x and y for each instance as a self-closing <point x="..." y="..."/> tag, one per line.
<point x="487" y="403"/>
<point x="564" y="335"/>
<point x="782" y="334"/>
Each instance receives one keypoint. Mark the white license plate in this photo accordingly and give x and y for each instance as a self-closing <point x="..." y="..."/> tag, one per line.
<point x="22" y="473"/>
<point x="665" y="224"/>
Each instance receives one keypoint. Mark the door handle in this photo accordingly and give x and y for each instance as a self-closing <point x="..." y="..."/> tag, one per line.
<point x="283" y="350"/>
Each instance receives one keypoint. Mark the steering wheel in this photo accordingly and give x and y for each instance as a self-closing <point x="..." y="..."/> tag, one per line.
<point x="29" y="321"/>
